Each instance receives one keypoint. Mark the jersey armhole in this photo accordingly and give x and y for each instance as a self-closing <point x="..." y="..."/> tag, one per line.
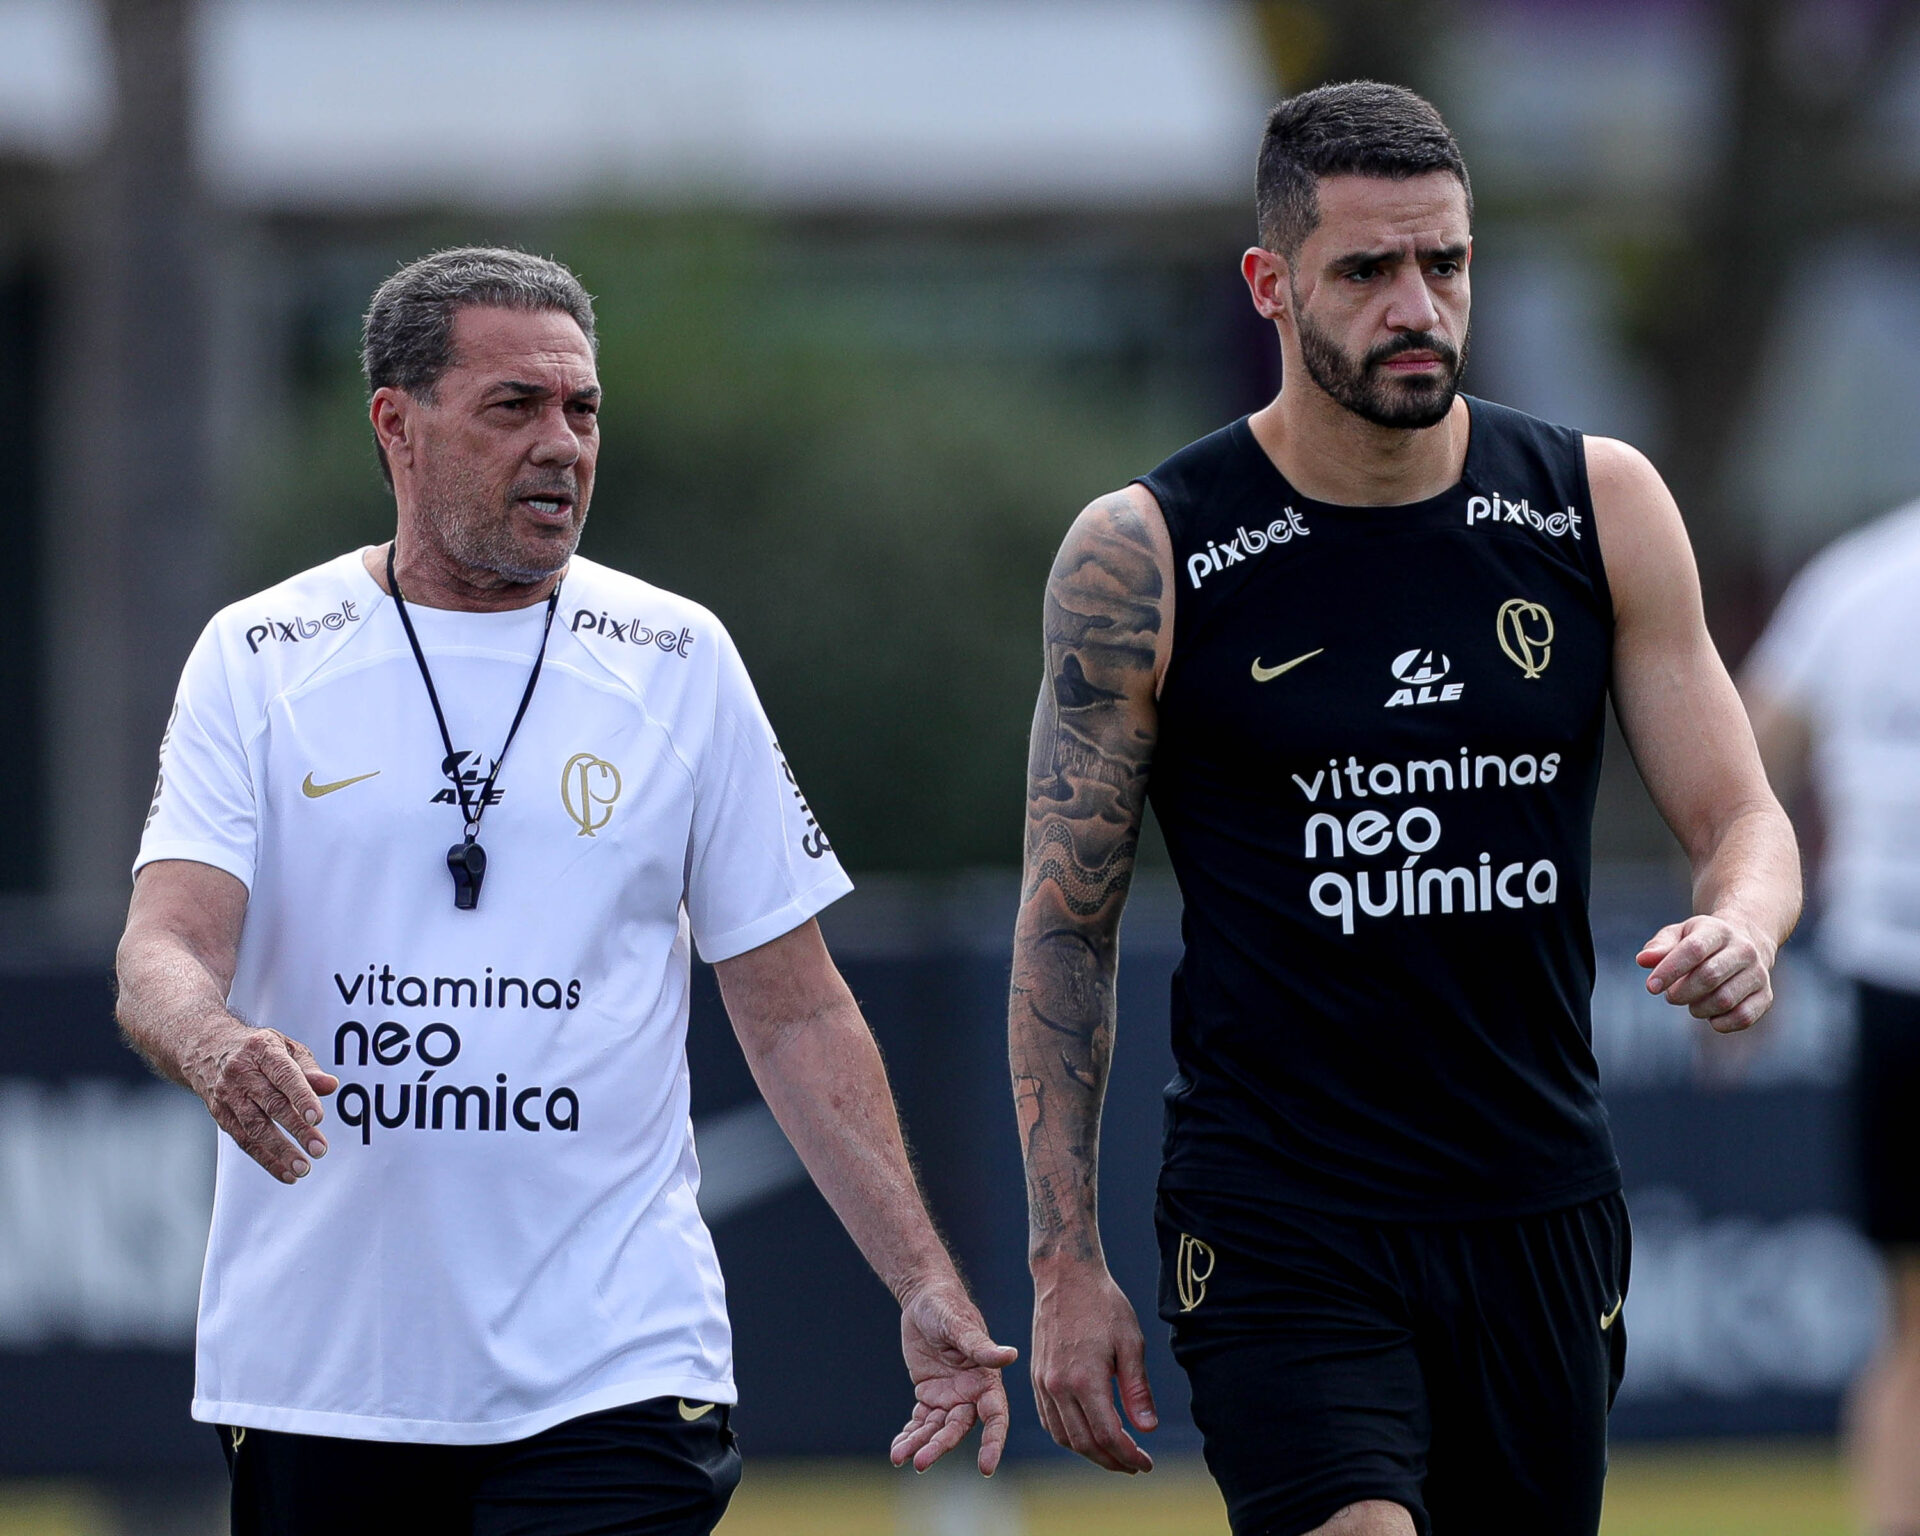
<point x="1597" y="561"/>
<point x="1172" y="620"/>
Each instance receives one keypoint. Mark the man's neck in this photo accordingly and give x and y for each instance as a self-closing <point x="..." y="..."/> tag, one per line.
<point x="1332" y="455"/>
<point x="428" y="580"/>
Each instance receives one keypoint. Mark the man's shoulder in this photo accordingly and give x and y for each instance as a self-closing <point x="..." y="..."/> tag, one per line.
<point x="633" y="628"/>
<point x="1499" y="429"/>
<point x="295" y="620"/>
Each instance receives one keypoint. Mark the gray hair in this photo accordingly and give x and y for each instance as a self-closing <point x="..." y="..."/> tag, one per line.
<point x="407" y="337"/>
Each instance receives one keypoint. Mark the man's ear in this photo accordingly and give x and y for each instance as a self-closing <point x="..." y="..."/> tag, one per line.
<point x="391" y="412"/>
<point x="1268" y="281"/>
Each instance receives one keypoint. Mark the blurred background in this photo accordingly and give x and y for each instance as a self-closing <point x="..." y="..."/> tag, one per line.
<point x="888" y="289"/>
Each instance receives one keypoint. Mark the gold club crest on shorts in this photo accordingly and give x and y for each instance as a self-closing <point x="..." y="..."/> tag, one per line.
<point x="1192" y="1269"/>
<point x="588" y="787"/>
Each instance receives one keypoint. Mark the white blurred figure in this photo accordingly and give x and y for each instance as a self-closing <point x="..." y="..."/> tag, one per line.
<point x="1834" y="692"/>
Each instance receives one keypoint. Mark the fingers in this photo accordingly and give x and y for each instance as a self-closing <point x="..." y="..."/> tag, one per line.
<point x="318" y="1077"/>
<point x="1089" y="1426"/>
<point x="1744" y="1014"/>
<point x="1726" y="997"/>
<point x="945" y="1438"/>
<point x="932" y="1432"/>
<point x="1713" y="969"/>
<point x="1656" y="948"/>
<point x="260" y="1090"/>
<point x="994" y="1422"/>
<point x="1076" y="1405"/>
<point x="293" y="1104"/>
<point x="1136" y="1396"/>
<point x="1694" y="941"/>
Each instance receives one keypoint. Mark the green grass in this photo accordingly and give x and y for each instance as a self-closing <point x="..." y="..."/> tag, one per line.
<point x="1743" y="1489"/>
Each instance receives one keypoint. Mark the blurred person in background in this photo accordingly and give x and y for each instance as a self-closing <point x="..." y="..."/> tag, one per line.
<point x="1835" y="702"/>
<point x="1357" y="648"/>
<point x="494" y="1306"/>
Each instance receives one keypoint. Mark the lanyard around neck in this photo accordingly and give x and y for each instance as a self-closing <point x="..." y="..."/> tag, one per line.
<point x="471" y="810"/>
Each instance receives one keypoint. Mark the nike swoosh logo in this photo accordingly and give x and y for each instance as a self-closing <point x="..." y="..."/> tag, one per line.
<point x="1607" y="1321"/>
<point x="1268" y="674"/>
<point x="691" y="1411"/>
<point x="314" y="791"/>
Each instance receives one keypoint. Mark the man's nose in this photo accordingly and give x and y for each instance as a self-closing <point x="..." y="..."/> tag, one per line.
<point x="1411" y="306"/>
<point x="557" y="443"/>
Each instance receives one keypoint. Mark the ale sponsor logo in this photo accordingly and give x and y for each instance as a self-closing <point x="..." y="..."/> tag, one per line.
<point x="1422" y="676"/>
<point x="470" y="770"/>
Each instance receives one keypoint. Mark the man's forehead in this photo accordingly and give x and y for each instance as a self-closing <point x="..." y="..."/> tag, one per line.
<point x="1359" y="212"/>
<point x="490" y="339"/>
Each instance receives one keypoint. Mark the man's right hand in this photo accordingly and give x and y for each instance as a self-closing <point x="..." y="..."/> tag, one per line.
<point x="257" y="1083"/>
<point x="1085" y="1338"/>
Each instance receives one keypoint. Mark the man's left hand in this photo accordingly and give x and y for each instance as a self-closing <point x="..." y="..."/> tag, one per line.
<point x="1716" y="968"/>
<point x="955" y="1366"/>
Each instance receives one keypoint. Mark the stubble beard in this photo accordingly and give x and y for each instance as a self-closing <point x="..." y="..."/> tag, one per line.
<point x="1381" y="399"/>
<point x="482" y="545"/>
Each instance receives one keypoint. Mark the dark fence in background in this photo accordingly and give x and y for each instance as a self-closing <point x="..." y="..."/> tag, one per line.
<point x="1753" y="1300"/>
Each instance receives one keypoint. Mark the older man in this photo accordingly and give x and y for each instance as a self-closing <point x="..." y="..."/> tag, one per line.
<point x="437" y="826"/>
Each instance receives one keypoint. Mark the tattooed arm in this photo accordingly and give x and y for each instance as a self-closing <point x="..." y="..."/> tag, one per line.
<point x="1108" y="633"/>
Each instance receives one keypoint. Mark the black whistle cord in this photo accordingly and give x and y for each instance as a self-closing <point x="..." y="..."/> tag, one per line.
<point x="468" y="861"/>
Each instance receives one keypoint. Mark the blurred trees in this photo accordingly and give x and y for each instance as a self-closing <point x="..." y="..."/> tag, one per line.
<point x="859" y="440"/>
<point x="1805" y="114"/>
<point x="859" y="447"/>
<point x="1807" y="103"/>
<point x="132" y="560"/>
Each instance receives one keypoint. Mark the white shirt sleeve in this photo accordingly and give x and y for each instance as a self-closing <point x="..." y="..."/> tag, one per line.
<point x="204" y="807"/>
<point x="758" y="864"/>
<point x="1794" y="653"/>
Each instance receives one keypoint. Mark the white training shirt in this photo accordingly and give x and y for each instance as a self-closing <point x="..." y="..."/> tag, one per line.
<point x="1841" y="653"/>
<point x="503" y="1234"/>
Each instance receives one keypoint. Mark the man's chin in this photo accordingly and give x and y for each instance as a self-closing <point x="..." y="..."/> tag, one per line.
<point x="1412" y="407"/>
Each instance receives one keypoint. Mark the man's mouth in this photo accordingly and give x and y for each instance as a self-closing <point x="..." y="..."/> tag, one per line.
<point x="549" y="508"/>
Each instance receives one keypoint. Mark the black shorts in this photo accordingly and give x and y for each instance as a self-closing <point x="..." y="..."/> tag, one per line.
<point x="1462" y="1369"/>
<point x="1886" y="1079"/>
<point x="646" y="1469"/>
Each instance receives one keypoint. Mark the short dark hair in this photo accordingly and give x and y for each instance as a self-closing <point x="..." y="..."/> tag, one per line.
<point x="1356" y="128"/>
<point x="407" y="338"/>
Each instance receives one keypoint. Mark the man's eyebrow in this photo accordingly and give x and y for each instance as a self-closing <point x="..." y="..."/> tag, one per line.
<point x="1354" y="260"/>
<point x="521" y="389"/>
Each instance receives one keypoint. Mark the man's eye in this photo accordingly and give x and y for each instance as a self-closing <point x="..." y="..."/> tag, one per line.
<point x="1445" y="269"/>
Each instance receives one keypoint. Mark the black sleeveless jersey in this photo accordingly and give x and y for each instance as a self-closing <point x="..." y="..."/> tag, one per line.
<point x="1380" y="737"/>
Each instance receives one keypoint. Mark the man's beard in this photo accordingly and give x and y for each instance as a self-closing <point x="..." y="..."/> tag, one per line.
<point x="488" y="545"/>
<point x="1383" y="399"/>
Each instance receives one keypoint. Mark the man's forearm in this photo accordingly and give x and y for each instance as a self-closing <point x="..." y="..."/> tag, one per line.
<point x="170" y="1004"/>
<point x="827" y="1086"/>
<point x="1060" y="1043"/>
<point x="1087" y="758"/>
<point x="1751" y="874"/>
